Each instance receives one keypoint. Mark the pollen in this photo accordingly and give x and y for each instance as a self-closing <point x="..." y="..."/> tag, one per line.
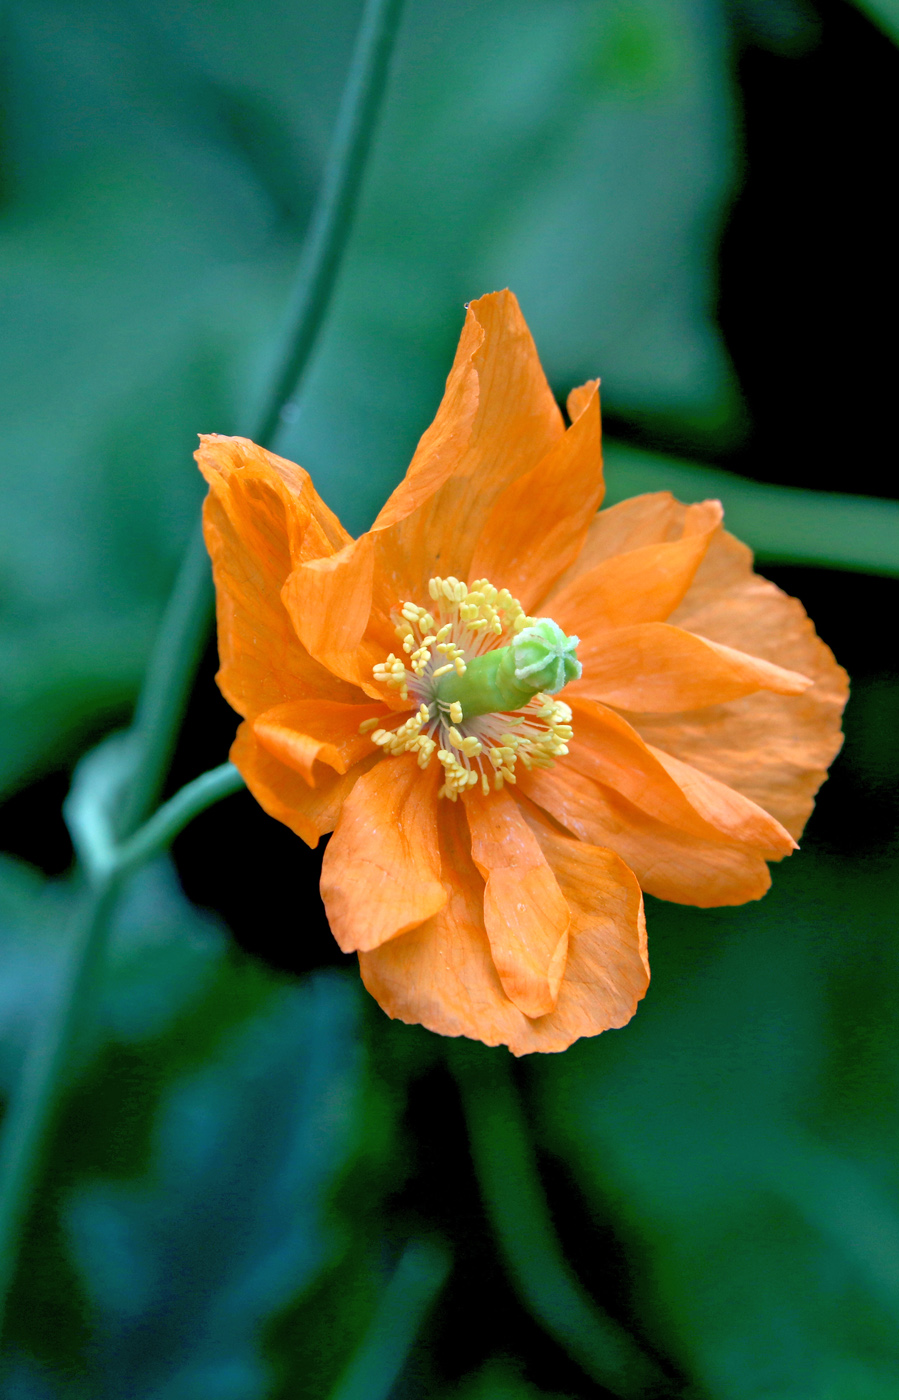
<point x="475" y="662"/>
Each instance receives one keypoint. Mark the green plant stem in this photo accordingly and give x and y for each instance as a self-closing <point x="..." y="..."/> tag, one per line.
<point x="158" y="833"/>
<point x="50" y="1055"/>
<point x="416" y="1281"/>
<point x="180" y="639"/>
<point x="516" y="1205"/>
<point x="332" y="219"/>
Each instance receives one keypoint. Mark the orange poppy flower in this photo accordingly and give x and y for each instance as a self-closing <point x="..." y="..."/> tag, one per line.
<point x="401" y="690"/>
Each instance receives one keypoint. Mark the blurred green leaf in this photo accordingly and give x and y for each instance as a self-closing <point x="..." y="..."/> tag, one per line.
<point x="579" y="153"/>
<point x="163" y="953"/>
<point x="190" y="1197"/>
<point x="159" y="164"/>
<point x="884" y="13"/>
<point x="743" y="1134"/>
<point x="498" y="1380"/>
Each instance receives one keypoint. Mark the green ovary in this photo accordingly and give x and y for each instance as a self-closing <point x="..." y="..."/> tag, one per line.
<point x="541" y="660"/>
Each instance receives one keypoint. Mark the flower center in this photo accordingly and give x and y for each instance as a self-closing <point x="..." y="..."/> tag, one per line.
<point x="483" y="675"/>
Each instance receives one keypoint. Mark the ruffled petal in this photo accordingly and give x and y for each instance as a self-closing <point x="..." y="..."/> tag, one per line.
<point x="498" y="419"/>
<point x="655" y="518"/>
<point x="774" y="749"/>
<point x="441" y="975"/>
<point x="261" y="515"/>
<point x="608" y="966"/>
<point x="727" y="810"/>
<point x="525" y="913"/>
<point x="668" y="862"/>
<point x="381" y="872"/>
<point x="641" y="585"/>
<point x="537" y="525"/>
<point x="310" y="812"/>
<point x="302" y="733"/>
<point x="653" y="666"/>
<point x="606" y="748"/>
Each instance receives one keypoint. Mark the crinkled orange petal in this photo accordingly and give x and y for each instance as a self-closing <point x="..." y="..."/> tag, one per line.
<point x="655" y="518"/>
<point x="442" y="976"/>
<point x="643" y="585"/>
<point x="776" y="750"/>
<point x="608" y="749"/>
<point x="525" y="913"/>
<point x="538" y="524"/>
<point x="608" y="967"/>
<point x="669" y="862"/>
<point x="580" y="399"/>
<point x="329" y="601"/>
<point x="302" y="733"/>
<point x="727" y="810"/>
<point x="653" y="666"/>
<point x="381" y="871"/>
<point x="310" y="812"/>
<point x="262" y="514"/>
<point x="498" y="420"/>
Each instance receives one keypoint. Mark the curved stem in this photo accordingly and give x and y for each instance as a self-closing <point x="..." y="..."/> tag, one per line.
<point x="332" y="219"/>
<point x="49" y="1056"/>
<point x="416" y="1281"/>
<point x="162" y="828"/>
<point x="180" y="638"/>
<point x="514" y="1200"/>
<point x="173" y="661"/>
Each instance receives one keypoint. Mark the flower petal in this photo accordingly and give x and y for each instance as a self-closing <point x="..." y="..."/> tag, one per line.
<point x="776" y="750"/>
<point x="381" y="871"/>
<point x="727" y="810"/>
<point x="525" y="913"/>
<point x="608" y="968"/>
<point x="606" y="748"/>
<point x="632" y="524"/>
<point x="304" y="732"/>
<point x="642" y="585"/>
<point x="441" y="975"/>
<point x="537" y="525"/>
<point x="261" y="514"/>
<point x="497" y="420"/>
<point x="668" y="862"/>
<point x="652" y="666"/>
<point x="280" y="790"/>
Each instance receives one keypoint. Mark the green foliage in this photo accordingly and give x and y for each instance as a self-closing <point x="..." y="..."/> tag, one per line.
<point x="191" y="1204"/>
<point x="159" y="167"/>
<point x="742" y="1134"/>
<point x="222" y="1215"/>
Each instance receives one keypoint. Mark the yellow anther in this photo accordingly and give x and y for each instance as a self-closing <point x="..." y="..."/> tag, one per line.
<point x="443" y="670"/>
<point x="368" y="724"/>
<point x="455" y="712"/>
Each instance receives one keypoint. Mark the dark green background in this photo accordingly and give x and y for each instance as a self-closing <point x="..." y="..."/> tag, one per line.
<point x="691" y="199"/>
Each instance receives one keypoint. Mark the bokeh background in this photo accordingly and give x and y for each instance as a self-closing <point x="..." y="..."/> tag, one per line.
<point x="690" y="198"/>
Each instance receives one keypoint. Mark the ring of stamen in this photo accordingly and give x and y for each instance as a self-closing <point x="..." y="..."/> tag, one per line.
<point x="478" y="649"/>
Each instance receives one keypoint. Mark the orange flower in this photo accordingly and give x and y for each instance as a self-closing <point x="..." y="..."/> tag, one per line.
<point x="383" y="678"/>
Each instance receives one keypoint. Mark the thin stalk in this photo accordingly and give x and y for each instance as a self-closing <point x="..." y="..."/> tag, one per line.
<point x="516" y="1206"/>
<point x="332" y="219"/>
<point x="376" y="1366"/>
<point x="159" y="832"/>
<point x="49" y="1057"/>
<point x="180" y="639"/>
